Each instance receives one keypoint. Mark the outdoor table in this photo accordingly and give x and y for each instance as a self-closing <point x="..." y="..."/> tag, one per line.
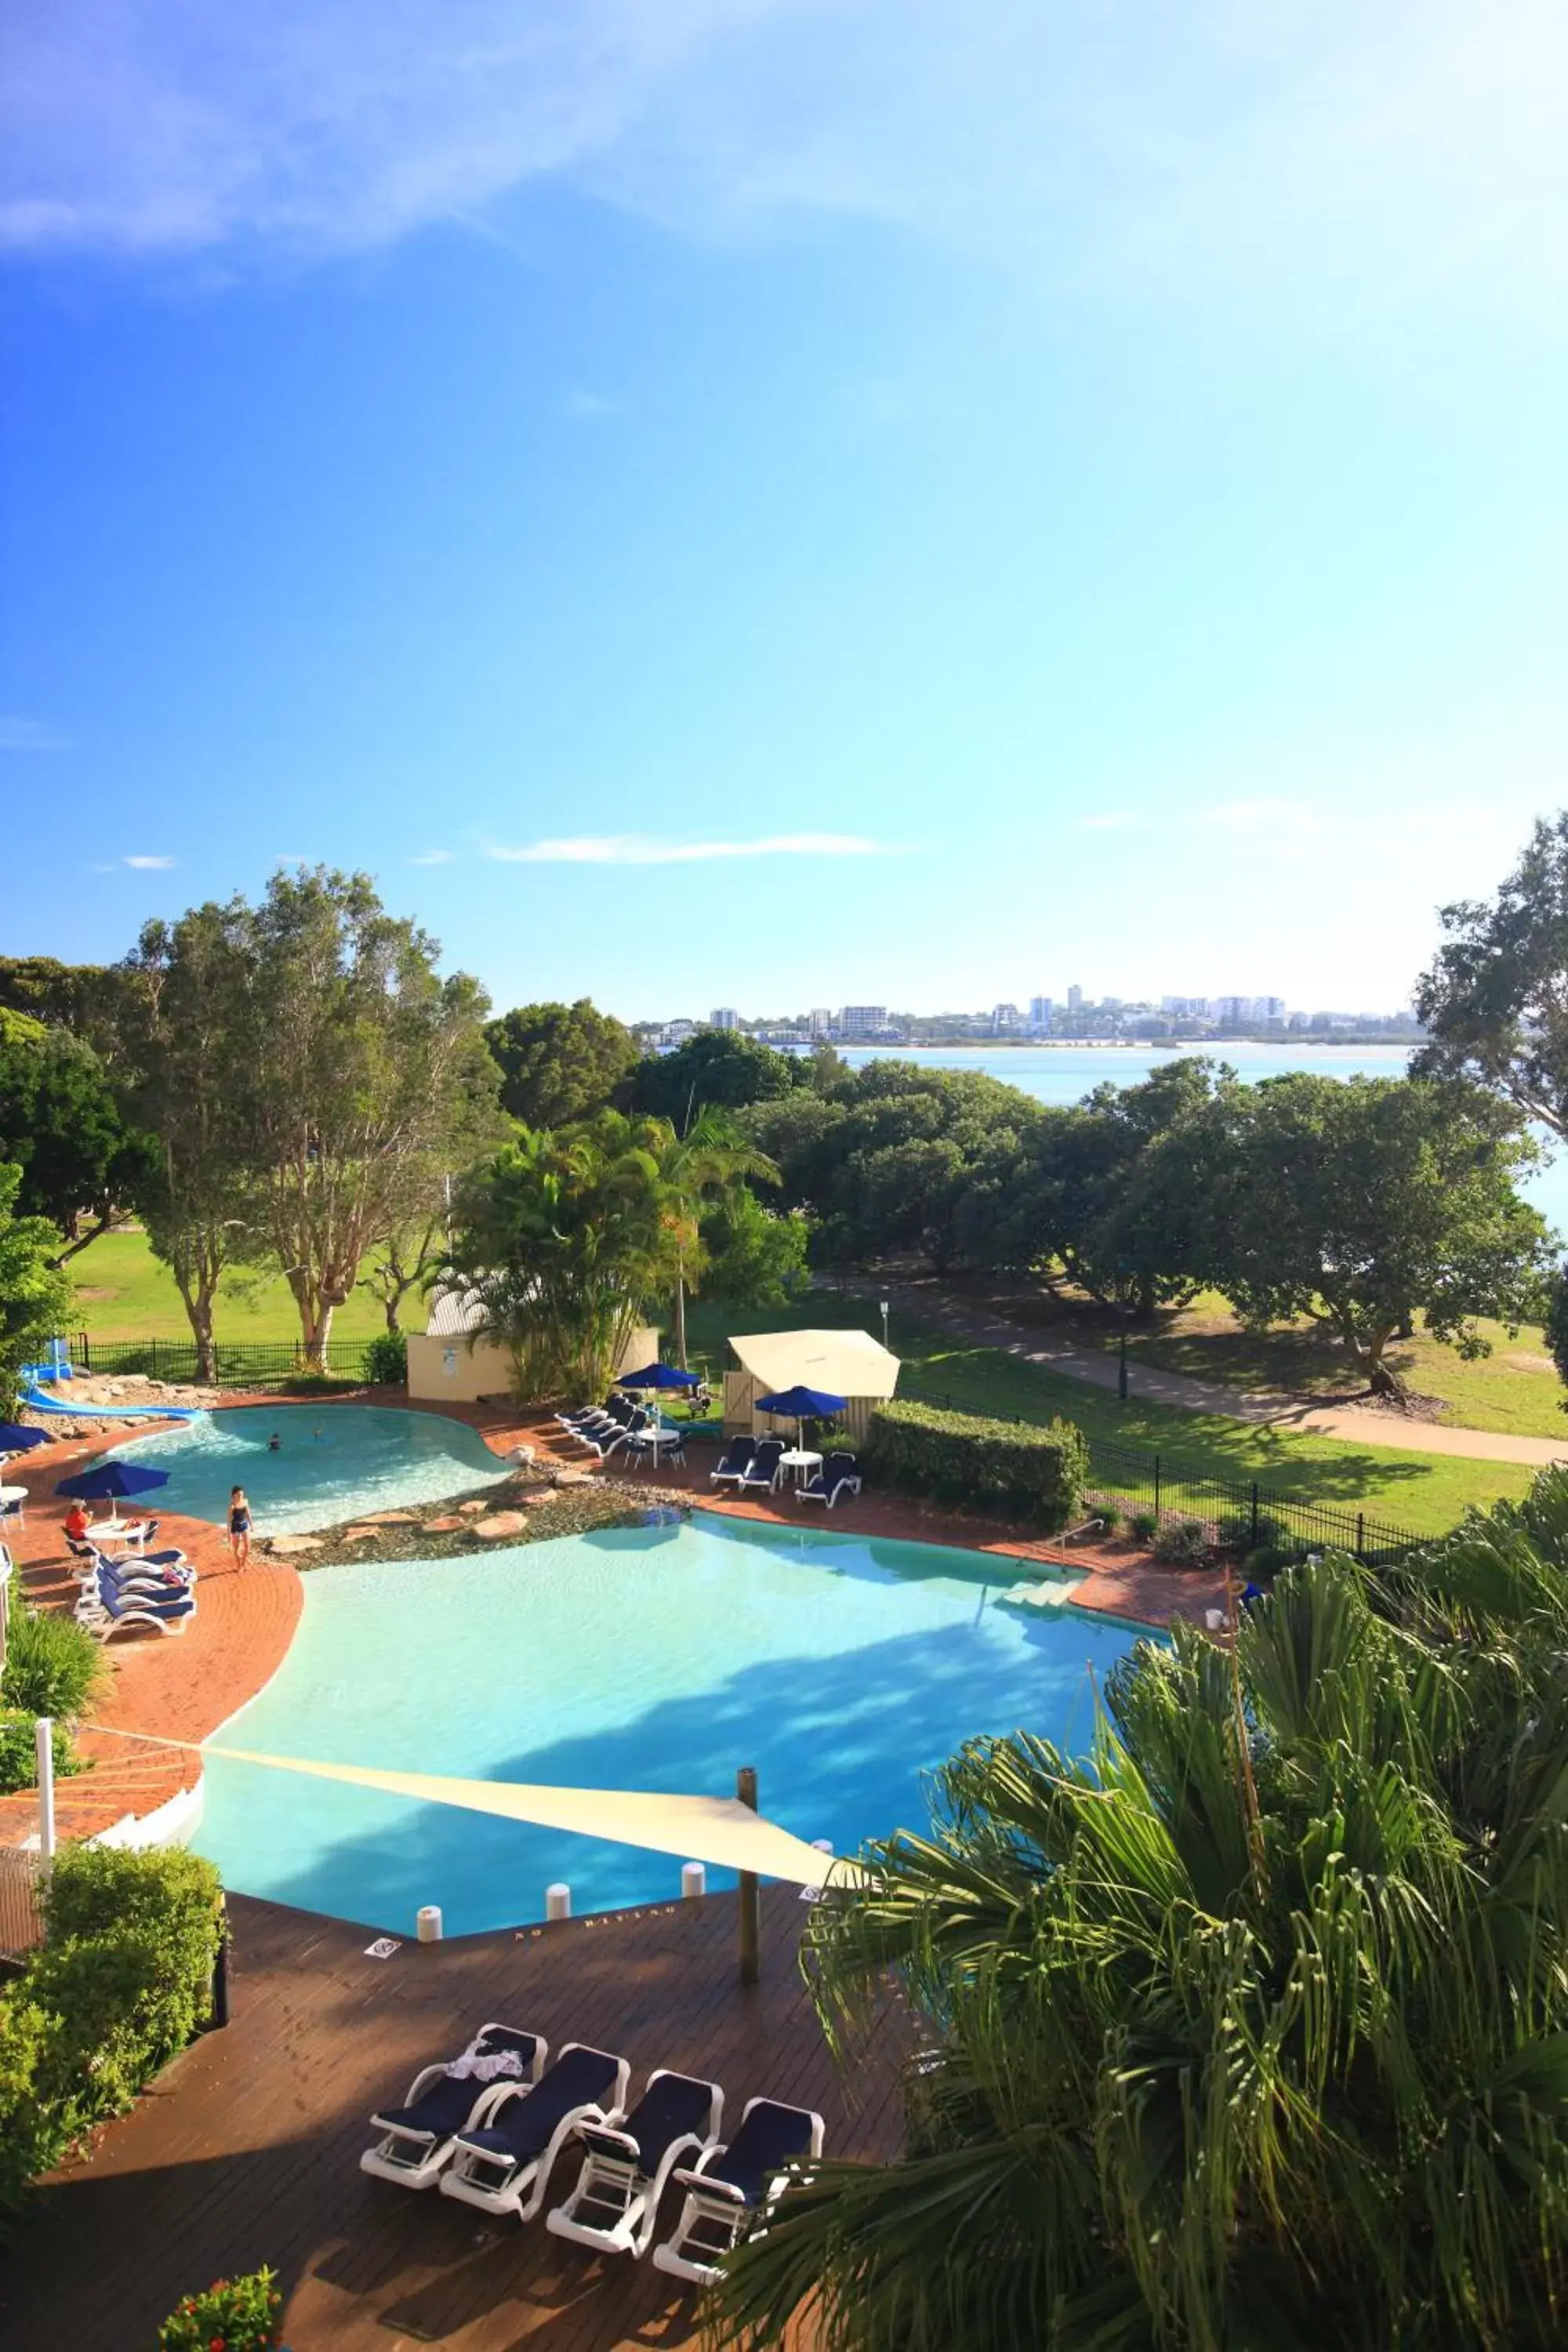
<point x="646" y="1443"/>
<point x="117" y="1531"/>
<point x="802" y="1461"/>
<point x="18" y="1495"/>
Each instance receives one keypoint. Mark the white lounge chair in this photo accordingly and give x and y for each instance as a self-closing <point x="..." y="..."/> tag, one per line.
<point x="734" y="1462"/>
<point x="838" y="1476"/>
<point x="614" y="2206"/>
<point x="419" y="2138"/>
<point x="106" y="1608"/>
<point x="729" y="2189"/>
<point x="763" y="1471"/>
<point x="503" y="2165"/>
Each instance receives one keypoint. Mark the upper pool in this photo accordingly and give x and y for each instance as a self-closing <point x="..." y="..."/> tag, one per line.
<point x="656" y="1658"/>
<point x="332" y="1461"/>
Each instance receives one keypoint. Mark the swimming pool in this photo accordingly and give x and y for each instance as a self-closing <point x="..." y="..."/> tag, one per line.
<point x="333" y="1461"/>
<point x="658" y="1657"/>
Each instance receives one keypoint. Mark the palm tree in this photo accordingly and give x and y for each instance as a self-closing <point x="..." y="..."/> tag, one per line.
<point x="713" y="1158"/>
<point x="1252" y="2029"/>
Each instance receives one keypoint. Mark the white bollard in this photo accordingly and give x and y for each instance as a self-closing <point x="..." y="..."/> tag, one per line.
<point x="44" y="1748"/>
<point x="558" y="1901"/>
<point x="428" y="1924"/>
<point x="1214" y="1620"/>
<point x="693" y="1878"/>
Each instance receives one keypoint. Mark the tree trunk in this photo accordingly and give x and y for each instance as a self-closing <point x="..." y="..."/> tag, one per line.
<point x="198" y="1306"/>
<point x="392" y="1307"/>
<point x="1382" y="1378"/>
<point x="680" y="1317"/>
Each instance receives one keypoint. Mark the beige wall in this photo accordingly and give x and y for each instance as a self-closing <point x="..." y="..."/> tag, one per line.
<point x="740" y="1393"/>
<point x="461" y="1371"/>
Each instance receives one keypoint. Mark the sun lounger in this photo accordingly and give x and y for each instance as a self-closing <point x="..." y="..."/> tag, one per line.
<point x="417" y="2138"/>
<point x="763" y="1471"/>
<point x="729" y="2188"/>
<point x="614" y="2206"/>
<point x="734" y="1463"/>
<point x="590" y="1417"/>
<point x="604" y="1442"/>
<point x="150" y="1566"/>
<point x="838" y="1476"/>
<point x="108" y="1608"/>
<point x="503" y="2165"/>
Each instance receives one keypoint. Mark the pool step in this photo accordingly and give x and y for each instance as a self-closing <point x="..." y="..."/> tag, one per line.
<point x="1055" y="1592"/>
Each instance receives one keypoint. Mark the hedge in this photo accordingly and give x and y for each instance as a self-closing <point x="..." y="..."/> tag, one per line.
<point x="1015" y="1468"/>
<point x="121" y="1982"/>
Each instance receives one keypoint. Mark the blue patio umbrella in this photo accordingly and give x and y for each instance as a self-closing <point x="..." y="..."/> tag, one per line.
<point x="803" y="1404"/>
<point x="17" y="1436"/>
<point x="110" y="1482"/>
<point x="659" y="1376"/>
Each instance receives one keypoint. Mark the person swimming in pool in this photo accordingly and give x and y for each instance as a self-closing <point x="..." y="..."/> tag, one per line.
<point x="239" y="1525"/>
<point x="275" y="1443"/>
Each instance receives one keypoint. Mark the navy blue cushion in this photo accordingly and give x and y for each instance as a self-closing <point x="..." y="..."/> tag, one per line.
<point x="766" y="2140"/>
<point x="524" y="2126"/>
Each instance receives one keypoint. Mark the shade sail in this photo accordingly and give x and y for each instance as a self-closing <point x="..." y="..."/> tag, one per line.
<point x="719" y="1830"/>
<point x="848" y="1363"/>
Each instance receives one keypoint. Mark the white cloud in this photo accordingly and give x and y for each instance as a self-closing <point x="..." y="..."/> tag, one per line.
<point x="642" y="849"/>
<point x="146" y="864"/>
<point x="425" y="857"/>
<point x="1318" y="148"/>
<point x="30" y="735"/>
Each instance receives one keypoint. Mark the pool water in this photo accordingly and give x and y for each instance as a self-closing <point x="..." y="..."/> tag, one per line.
<point x="658" y="1657"/>
<point x="334" y="1462"/>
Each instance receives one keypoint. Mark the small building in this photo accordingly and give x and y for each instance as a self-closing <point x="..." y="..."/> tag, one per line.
<point x="849" y="1364"/>
<point x="451" y="1361"/>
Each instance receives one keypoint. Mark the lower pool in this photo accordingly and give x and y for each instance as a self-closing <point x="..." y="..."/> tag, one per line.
<point x="330" y="1462"/>
<point x="658" y="1657"/>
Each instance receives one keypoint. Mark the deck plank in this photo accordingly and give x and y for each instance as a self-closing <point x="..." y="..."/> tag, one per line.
<point x="246" y="2149"/>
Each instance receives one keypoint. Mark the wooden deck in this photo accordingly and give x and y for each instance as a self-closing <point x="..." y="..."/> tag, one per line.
<point x="246" y="2151"/>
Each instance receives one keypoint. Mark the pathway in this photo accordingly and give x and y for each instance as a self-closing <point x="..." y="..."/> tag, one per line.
<point x="1149" y="1384"/>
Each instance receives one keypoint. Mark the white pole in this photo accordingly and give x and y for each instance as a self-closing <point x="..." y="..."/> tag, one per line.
<point x="693" y="1879"/>
<point x="428" y="1923"/>
<point x="558" y="1901"/>
<point x="44" y="1744"/>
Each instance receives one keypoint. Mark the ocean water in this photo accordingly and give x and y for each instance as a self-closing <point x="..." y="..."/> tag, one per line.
<point x="333" y="1461"/>
<point x="659" y="1658"/>
<point x="1065" y="1074"/>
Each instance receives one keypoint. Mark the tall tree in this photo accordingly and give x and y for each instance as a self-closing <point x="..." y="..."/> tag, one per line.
<point x="191" y="1040"/>
<point x="1249" y="2028"/>
<point x="719" y="1069"/>
<point x="1495" y="999"/>
<point x="559" y="1062"/>
<point x="60" y="1122"/>
<point x="35" y="1295"/>
<point x="1362" y="1201"/>
<point x="709" y="1163"/>
<point x="367" y="1080"/>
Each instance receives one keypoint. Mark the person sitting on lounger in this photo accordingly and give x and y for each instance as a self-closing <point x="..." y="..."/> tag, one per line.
<point x="76" y="1523"/>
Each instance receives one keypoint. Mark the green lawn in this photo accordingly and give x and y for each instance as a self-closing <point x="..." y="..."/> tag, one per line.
<point x="1426" y="1493"/>
<point x="122" y="1293"/>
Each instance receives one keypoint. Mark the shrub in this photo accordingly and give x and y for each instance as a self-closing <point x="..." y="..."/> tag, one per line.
<point x="1109" y="1515"/>
<point x="242" y="2314"/>
<point x="1242" y="1530"/>
<point x="386" y="1359"/>
<point x="18" y="1753"/>
<point x="1182" y="1543"/>
<point x="1144" y="1526"/>
<point x="53" y="1665"/>
<point x="1267" y="1560"/>
<point x="1013" y="1467"/>
<point x="122" y="1980"/>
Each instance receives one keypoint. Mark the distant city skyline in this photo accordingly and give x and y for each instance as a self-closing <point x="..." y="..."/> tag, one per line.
<point x="1046" y="1017"/>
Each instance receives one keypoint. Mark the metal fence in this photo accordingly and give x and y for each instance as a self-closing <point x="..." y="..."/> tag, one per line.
<point x="241" y="1363"/>
<point x="1241" y="1510"/>
<point x="21" y="1910"/>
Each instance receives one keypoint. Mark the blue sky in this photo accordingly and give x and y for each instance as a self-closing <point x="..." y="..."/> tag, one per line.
<point x="789" y="501"/>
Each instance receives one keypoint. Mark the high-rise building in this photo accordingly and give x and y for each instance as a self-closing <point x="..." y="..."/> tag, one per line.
<point x="1075" y="1000"/>
<point x="724" y="1017"/>
<point x="862" y="1020"/>
<point x="1271" y="1008"/>
<point x="821" y="1020"/>
<point x="1005" y="1018"/>
<point x="1040" y="1011"/>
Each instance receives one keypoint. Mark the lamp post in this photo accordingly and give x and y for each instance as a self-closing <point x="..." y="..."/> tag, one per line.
<point x="1121" y="1362"/>
<point x="883" y="1305"/>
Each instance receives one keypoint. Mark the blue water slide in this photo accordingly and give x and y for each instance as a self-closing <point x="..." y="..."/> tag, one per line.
<point x="42" y="1402"/>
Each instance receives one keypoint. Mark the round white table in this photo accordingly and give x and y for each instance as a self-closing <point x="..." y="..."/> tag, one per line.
<point x="117" y="1531"/>
<point x="802" y="1461"/>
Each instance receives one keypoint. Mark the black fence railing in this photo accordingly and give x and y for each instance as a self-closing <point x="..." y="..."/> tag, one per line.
<point x="1242" y="1511"/>
<point x="240" y="1363"/>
